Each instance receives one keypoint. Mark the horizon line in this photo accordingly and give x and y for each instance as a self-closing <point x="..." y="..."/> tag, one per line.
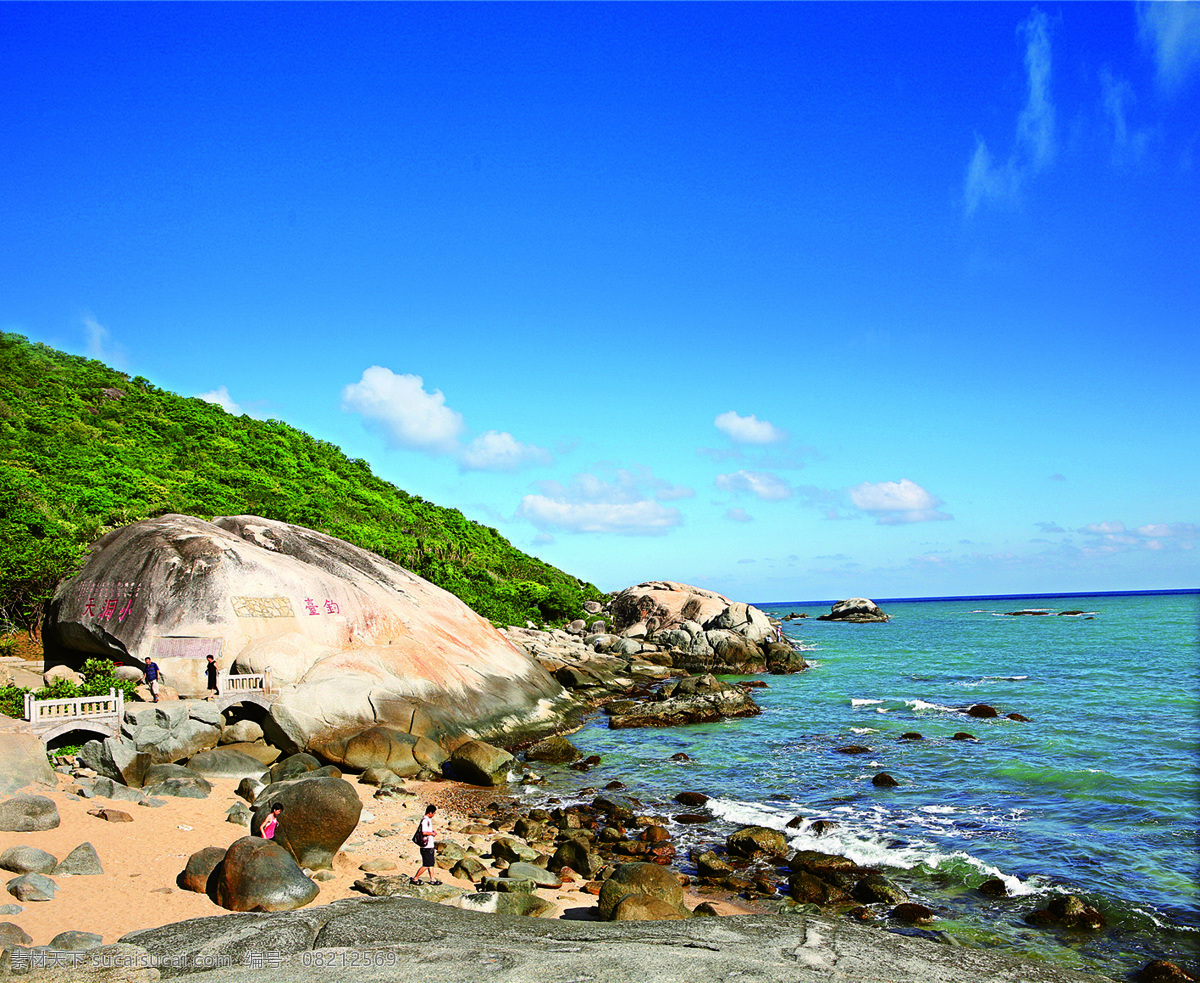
<point x="994" y="597"/>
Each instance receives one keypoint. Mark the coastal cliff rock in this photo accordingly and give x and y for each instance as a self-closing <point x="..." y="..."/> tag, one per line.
<point x="857" y="609"/>
<point x="352" y="641"/>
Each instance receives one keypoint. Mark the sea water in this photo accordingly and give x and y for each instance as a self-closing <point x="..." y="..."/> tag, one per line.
<point x="1096" y="794"/>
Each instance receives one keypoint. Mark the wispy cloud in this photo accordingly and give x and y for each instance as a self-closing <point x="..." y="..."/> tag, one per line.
<point x="1172" y="32"/>
<point x="620" y="504"/>
<point x="1114" y="537"/>
<point x="98" y="343"/>
<point x="897" y="502"/>
<point x="221" y="397"/>
<point x="748" y="429"/>
<point x="761" y="484"/>
<point x="398" y="406"/>
<point x="1117" y="98"/>
<point x="1049" y="527"/>
<point x="498" y="450"/>
<point x="738" y="515"/>
<point x="1034" y="146"/>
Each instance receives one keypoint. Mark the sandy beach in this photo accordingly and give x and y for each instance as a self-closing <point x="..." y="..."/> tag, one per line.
<point x="143" y="858"/>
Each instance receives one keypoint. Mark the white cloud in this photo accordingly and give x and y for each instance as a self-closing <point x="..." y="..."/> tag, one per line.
<point x="498" y="450"/>
<point x="1049" y="527"/>
<point x="403" y="410"/>
<point x="768" y="487"/>
<point x="1034" y="146"/>
<point x="221" y="397"/>
<point x="1128" y="145"/>
<point x="670" y="493"/>
<point x="593" y="504"/>
<point x="738" y="515"/>
<point x="897" y="502"/>
<point x="1114" y="537"/>
<point x="97" y="346"/>
<point x="1172" y="30"/>
<point x="748" y="429"/>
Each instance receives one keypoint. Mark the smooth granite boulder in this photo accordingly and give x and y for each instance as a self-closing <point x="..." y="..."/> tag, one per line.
<point x="644" y="908"/>
<point x="83" y="860"/>
<point x="507" y="903"/>
<point x="640" y="879"/>
<point x="174" y="730"/>
<point x="579" y="857"/>
<point x="757" y="841"/>
<point x="28" y="814"/>
<point x="260" y="875"/>
<point x="23" y="762"/>
<point x="292" y="766"/>
<point x="553" y="750"/>
<point x="199" y="868"/>
<point x="352" y="641"/>
<point x="477" y="763"/>
<point x="11" y="934"/>
<point x="389" y="748"/>
<point x="856" y="609"/>
<point x="192" y="787"/>
<point x="319" y="814"/>
<point x="27" y="860"/>
<point x="160" y="773"/>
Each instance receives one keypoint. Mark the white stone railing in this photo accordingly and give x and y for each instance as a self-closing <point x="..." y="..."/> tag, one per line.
<point x="45" y="712"/>
<point x="245" y="682"/>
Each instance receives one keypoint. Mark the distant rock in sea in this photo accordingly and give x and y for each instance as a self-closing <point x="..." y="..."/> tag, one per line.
<point x="857" y="609"/>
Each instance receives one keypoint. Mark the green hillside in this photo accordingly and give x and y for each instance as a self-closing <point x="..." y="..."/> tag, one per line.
<point x="84" y="449"/>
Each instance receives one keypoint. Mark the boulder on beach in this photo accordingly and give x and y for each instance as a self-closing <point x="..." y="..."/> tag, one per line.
<point x="649" y="880"/>
<point x="478" y="763"/>
<point x="260" y="875"/>
<point x="226" y="762"/>
<point x="28" y="814"/>
<point x="23" y="762"/>
<point x="28" y="860"/>
<point x="32" y="887"/>
<point x="388" y="748"/>
<point x="81" y="861"/>
<point x="319" y="814"/>
<point x="351" y="640"/>
<point x="174" y="730"/>
<point x="199" y="868"/>
<point x="855" y="609"/>
<point x="118" y="759"/>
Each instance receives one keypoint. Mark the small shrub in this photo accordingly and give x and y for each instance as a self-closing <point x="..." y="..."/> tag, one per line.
<point x="12" y="701"/>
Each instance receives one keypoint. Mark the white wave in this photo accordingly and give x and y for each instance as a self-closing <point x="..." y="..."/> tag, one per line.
<point x="938" y="810"/>
<point x="863" y="703"/>
<point x="922" y="705"/>
<point x="881" y="709"/>
<point x="1008" y="678"/>
<point x="864" y="730"/>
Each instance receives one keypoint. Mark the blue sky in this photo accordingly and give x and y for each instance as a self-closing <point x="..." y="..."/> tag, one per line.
<point x="787" y="300"/>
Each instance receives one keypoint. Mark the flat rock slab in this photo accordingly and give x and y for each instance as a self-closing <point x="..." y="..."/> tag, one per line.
<point x="28" y="814"/>
<point x="386" y="940"/>
<point x="111" y="815"/>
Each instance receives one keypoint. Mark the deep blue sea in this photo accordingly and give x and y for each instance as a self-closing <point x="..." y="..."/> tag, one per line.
<point x="1097" y="795"/>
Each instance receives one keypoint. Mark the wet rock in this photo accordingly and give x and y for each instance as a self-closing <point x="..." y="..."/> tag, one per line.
<point x="319" y="814"/>
<point x="616" y="807"/>
<point x="260" y="875"/>
<point x="853" y="749"/>
<point x="579" y="857"/>
<point x="823" y="826"/>
<point x="680" y="756"/>
<point x="877" y="889"/>
<point x="199" y="868"/>
<point x="698" y="708"/>
<point x="756" y="841"/>
<point x="28" y="814"/>
<point x="911" y="735"/>
<point x="553" y="750"/>
<point x="1020" y="718"/>
<point x="913" y="913"/>
<point x="27" y="860"/>
<point x="884" y="780"/>
<point x="1067" y="911"/>
<point x="691" y="798"/>
<point x="1161" y="971"/>
<point x="691" y="818"/>
<point x="993" y="887"/>
<point x="962" y="735"/>
<point x="807" y="887"/>
<point x="32" y="887"/>
<point x="640" y="879"/>
<point x="711" y="867"/>
<point x="982" y="710"/>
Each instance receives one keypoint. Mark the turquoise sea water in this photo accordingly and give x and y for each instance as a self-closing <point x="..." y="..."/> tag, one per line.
<point x="1096" y="795"/>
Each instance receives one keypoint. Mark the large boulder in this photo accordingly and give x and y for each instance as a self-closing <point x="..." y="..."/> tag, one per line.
<point x="23" y="762"/>
<point x="855" y="609"/>
<point x="118" y="759"/>
<point x="28" y="860"/>
<point x="83" y="860"/>
<point x="477" y="763"/>
<point x="260" y="875"/>
<point x="199" y="868"/>
<point x="319" y="814"/>
<point x="397" y="751"/>
<point x="663" y="604"/>
<point x="226" y="762"/>
<point x="650" y="880"/>
<point x="352" y="641"/>
<point x="174" y="730"/>
<point x="28" y="814"/>
<point x="697" y="708"/>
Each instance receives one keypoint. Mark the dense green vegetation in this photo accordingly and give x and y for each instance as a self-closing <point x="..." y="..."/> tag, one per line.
<point x="85" y="449"/>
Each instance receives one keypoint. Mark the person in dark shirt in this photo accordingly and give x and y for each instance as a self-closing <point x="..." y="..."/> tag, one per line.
<point x="211" y="672"/>
<point x="151" y="675"/>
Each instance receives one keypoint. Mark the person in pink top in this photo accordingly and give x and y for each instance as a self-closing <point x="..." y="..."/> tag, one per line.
<point x="271" y="823"/>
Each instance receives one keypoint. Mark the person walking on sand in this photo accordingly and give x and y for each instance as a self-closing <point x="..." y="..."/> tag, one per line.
<point x="271" y="823"/>
<point x="428" y="854"/>
<point x="151" y="676"/>
<point x="210" y="671"/>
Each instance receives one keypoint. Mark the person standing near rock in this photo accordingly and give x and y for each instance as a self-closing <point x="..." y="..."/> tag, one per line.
<point x="428" y="850"/>
<point x="151" y="675"/>
<point x="271" y="823"/>
<point x="210" y="671"/>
